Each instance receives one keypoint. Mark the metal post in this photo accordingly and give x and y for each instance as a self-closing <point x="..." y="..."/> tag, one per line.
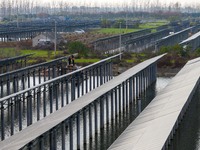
<point x="90" y="121"/>
<point x="96" y="116"/>
<point x="112" y="104"/>
<point x="49" y="73"/>
<point x="20" y="114"/>
<point x="94" y="81"/>
<point x="120" y="41"/>
<point x="123" y="95"/>
<point x="116" y="101"/>
<point x="56" y="94"/>
<point x="107" y="108"/>
<point x="12" y="117"/>
<point x="63" y="135"/>
<point x="28" y="79"/>
<point x="51" y="98"/>
<point x="44" y="101"/>
<point x="101" y="76"/>
<point x="71" y="132"/>
<point x="104" y="73"/>
<point x="82" y="87"/>
<point x="2" y="122"/>
<point x="78" y="129"/>
<point x="130" y="89"/>
<point x="78" y="86"/>
<point x="8" y="85"/>
<point x="119" y="89"/>
<point x="72" y="89"/>
<point x="51" y="140"/>
<point x="98" y="77"/>
<point x="62" y="95"/>
<point x="1" y="88"/>
<point x="38" y="104"/>
<point x="39" y="74"/>
<point x="90" y="82"/>
<point x="101" y="112"/>
<point x="54" y="71"/>
<point x="136" y="86"/>
<point x="84" y="126"/>
<point x="127" y="102"/>
<point x="67" y="90"/>
<point x="86" y="80"/>
<point x="41" y="142"/>
<point x="55" y="40"/>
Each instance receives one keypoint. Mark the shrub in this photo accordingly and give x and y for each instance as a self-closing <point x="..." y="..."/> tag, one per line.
<point x="78" y="47"/>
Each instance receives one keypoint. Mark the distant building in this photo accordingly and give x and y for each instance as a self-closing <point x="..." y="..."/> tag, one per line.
<point x="46" y="39"/>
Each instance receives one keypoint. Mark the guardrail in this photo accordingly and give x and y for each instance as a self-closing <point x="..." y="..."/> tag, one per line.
<point x="18" y="109"/>
<point x="47" y="70"/>
<point x="9" y="64"/>
<point x="104" y="102"/>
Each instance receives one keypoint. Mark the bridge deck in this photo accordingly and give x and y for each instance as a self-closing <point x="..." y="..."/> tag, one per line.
<point x="193" y="37"/>
<point x="154" y="127"/>
<point x="35" y="130"/>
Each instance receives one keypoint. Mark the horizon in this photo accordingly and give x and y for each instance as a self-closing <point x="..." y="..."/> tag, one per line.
<point x="113" y="3"/>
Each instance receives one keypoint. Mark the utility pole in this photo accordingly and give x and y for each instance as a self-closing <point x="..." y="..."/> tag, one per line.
<point x="55" y="40"/>
<point x="126" y="23"/>
<point x="120" y="39"/>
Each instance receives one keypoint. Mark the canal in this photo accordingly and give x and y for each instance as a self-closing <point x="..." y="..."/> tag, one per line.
<point x="187" y="136"/>
<point x="106" y="136"/>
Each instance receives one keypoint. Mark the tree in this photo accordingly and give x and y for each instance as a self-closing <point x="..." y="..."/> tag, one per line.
<point x="78" y="47"/>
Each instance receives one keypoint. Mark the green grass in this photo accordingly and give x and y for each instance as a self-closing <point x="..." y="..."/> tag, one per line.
<point x="40" y="53"/>
<point x="81" y="60"/>
<point x="152" y="25"/>
<point x="123" y="31"/>
<point x="8" y="52"/>
<point x="115" y="30"/>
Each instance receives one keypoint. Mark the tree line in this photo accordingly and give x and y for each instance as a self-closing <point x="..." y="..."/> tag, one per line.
<point x="15" y="7"/>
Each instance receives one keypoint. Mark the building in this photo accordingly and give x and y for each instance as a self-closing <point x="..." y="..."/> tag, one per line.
<point x="46" y="38"/>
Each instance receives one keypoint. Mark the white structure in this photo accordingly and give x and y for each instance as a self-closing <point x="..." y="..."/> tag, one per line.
<point x="45" y="39"/>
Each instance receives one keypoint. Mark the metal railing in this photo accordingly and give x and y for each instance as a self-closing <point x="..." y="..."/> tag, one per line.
<point x="95" y="108"/>
<point x="23" y="108"/>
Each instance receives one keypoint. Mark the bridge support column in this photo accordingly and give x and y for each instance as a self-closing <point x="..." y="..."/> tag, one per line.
<point x="116" y="99"/>
<point x="2" y="122"/>
<point x="107" y="108"/>
<point x="101" y="112"/>
<point x="90" y="121"/>
<point x="71" y="133"/>
<point x="96" y="115"/>
<point x="112" y="104"/>
<point x="66" y="90"/>
<point x="131" y="90"/>
<point x="84" y="127"/>
<point x="120" y="93"/>
<point x="78" y="130"/>
<point x="94" y="78"/>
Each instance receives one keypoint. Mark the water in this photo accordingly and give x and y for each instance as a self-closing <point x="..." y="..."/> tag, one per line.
<point x="187" y="137"/>
<point x="104" y="138"/>
<point x="109" y="134"/>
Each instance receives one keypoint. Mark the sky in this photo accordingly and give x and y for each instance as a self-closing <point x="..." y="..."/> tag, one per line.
<point x="115" y="2"/>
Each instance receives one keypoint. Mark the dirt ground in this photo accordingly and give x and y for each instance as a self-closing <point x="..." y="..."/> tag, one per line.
<point x="86" y="38"/>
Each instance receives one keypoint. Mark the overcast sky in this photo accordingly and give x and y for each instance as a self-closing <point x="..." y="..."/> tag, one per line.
<point x="115" y="2"/>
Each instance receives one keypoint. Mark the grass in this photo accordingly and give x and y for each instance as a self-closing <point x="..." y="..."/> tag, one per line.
<point x="115" y="31"/>
<point x="41" y="53"/>
<point x="81" y="60"/>
<point x="152" y="25"/>
<point x="8" y="52"/>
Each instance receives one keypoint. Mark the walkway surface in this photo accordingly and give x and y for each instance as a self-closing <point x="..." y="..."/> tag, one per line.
<point x="35" y="130"/>
<point x="152" y="129"/>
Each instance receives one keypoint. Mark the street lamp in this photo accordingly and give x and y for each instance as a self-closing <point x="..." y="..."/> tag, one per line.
<point x="55" y="39"/>
<point x="120" y="40"/>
